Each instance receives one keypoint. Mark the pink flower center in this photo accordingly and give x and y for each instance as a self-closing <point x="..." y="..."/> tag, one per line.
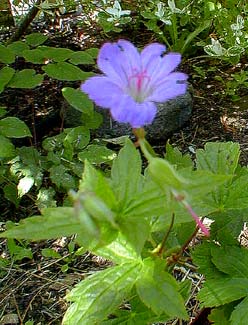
<point x="139" y="85"/>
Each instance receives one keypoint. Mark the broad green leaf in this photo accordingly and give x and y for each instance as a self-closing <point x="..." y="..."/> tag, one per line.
<point x="59" y="175"/>
<point x="7" y="149"/>
<point x="93" y="52"/>
<point x="237" y="198"/>
<point x="36" y="39"/>
<point x="26" y="78"/>
<point x="218" y="157"/>
<point x="25" y="185"/>
<point x="6" y="55"/>
<point x="136" y="231"/>
<point x="165" y="175"/>
<point x="92" y="121"/>
<point x="126" y="173"/>
<point x="97" y="154"/>
<point x="10" y="193"/>
<point x="12" y="127"/>
<point x="54" y="222"/>
<point x="78" y="137"/>
<point x="239" y="315"/>
<point x="97" y="296"/>
<point x="35" y="56"/>
<point x="119" y="251"/>
<point x="56" y="54"/>
<point x="6" y="74"/>
<point x="45" y="198"/>
<point x="221" y="315"/>
<point x="78" y="100"/>
<point x="49" y="252"/>
<point x="94" y="181"/>
<point x="150" y="201"/>
<point x="175" y="157"/>
<point x="65" y="71"/>
<point x="81" y="57"/>
<point x="139" y="314"/>
<point x="232" y="260"/>
<point x="228" y="225"/>
<point x="158" y="290"/>
<point x="202" y="258"/>
<point x="217" y="292"/>
<point x="18" y="47"/>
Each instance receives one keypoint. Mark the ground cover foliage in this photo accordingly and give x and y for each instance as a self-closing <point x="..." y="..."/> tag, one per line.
<point x="129" y="206"/>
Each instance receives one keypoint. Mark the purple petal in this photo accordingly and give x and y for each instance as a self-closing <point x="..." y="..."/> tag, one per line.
<point x="119" y="61"/>
<point x="102" y="91"/>
<point x="173" y="86"/>
<point x="151" y="51"/>
<point x="162" y="67"/>
<point x="136" y="114"/>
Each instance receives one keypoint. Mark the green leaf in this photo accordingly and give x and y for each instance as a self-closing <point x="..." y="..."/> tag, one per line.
<point x="36" y="39"/>
<point x="119" y="251"/>
<point x="165" y="175"/>
<point x="7" y="149"/>
<point x="158" y="290"/>
<point x="221" y="315"/>
<point x="231" y="260"/>
<point x="136" y="231"/>
<point x="59" y="175"/>
<point x="25" y="185"/>
<point x="175" y="157"/>
<point x="94" y="181"/>
<point x="12" y="127"/>
<point x="96" y="297"/>
<point x="56" y="54"/>
<point x="93" y="52"/>
<point x="26" y="78"/>
<point x="6" y="55"/>
<point x="45" y="198"/>
<point x="65" y="71"/>
<point x="81" y="57"/>
<point x="239" y="315"/>
<point x="6" y="74"/>
<point x="18" y="47"/>
<point x="49" y="252"/>
<point x="92" y="121"/>
<point x="217" y="292"/>
<point x="54" y="222"/>
<point x="35" y="56"/>
<point x="79" y="100"/>
<point x="203" y="259"/>
<point x="18" y="252"/>
<point x="218" y="157"/>
<point x="126" y="173"/>
<point x="97" y="154"/>
<point x="10" y="193"/>
<point x="79" y="137"/>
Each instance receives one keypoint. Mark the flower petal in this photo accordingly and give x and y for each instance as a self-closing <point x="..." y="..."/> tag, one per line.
<point x="162" y="67"/>
<point x="136" y="114"/>
<point x="129" y="56"/>
<point x="102" y="91"/>
<point x="151" y="51"/>
<point x="172" y="86"/>
<point x="109" y="63"/>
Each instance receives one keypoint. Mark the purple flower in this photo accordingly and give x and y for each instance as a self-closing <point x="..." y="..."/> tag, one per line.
<point x="133" y="82"/>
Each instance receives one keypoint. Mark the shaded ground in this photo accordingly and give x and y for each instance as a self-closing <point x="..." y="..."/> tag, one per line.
<point x="35" y="289"/>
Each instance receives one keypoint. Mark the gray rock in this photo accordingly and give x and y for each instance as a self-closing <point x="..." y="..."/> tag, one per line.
<point x="170" y="117"/>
